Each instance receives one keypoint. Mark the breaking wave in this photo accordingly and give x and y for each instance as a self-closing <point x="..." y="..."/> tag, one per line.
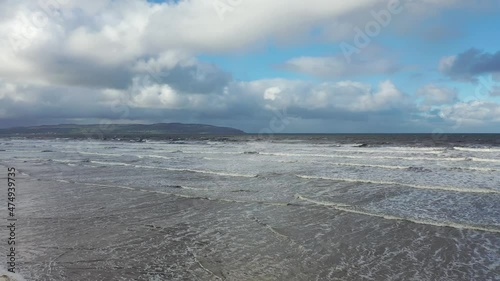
<point x="487" y="150"/>
<point x="440" y="188"/>
<point x="354" y="210"/>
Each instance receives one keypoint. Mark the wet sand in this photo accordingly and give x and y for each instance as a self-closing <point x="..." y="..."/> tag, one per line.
<point x="69" y="231"/>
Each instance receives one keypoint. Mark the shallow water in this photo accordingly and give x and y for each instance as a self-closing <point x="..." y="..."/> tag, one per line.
<point x="256" y="210"/>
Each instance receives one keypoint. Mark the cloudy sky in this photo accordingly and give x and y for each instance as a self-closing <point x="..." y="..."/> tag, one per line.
<point x="276" y="66"/>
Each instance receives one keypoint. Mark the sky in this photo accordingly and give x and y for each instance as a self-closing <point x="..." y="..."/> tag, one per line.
<point x="263" y="66"/>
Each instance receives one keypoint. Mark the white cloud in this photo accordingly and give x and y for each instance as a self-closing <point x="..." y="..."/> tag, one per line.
<point x="472" y="113"/>
<point x="272" y="93"/>
<point x="435" y="95"/>
<point x="345" y="96"/>
<point x="237" y="98"/>
<point x="115" y="35"/>
<point x="338" y="66"/>
<point x="161" y="96"/>
<point x="134" y="60"/>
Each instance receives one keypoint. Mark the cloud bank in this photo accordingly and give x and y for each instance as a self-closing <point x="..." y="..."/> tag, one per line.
<point x="68" y="61"/>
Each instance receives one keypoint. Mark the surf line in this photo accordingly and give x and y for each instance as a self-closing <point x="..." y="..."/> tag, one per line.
<point x="443" y="188"/>
<point x="175" y="169"/>
<point x="409" y="158"/>
<point x="198" y="171"/>
<point x="350" y="209"/>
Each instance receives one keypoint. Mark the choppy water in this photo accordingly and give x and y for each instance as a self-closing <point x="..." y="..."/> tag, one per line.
<point x="276" y="210"/>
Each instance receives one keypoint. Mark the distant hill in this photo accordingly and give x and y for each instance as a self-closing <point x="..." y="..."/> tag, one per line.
<point x="119" y="130"/>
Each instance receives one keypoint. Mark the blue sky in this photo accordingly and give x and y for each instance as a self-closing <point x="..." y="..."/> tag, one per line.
<point x="431" y="66"/>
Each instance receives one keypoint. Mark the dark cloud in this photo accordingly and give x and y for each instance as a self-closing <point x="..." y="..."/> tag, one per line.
<point x="470" y="64"/>
<point x="88" y="75"/>
<point x="198" y="78"/>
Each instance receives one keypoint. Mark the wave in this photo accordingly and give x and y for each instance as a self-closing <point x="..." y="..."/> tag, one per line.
<point x="96" y="153"/>
<point x="408" y="168"/>
<point x="213" y="152"/>
<point x="103" y="185"/>
<point x="390" y="167"/>
<point x="111" y="163"/>
<point x="322" y="203"/>
<point x="24" y="173"/>
<point x="443" y="188"/>
<point x="382" y="157"/>
<point x="217" y="159"/>
<point x="63" y="181"/>
<point x="66" y="161"/>
<point x="198" y="171"/>
<point x="204" y="189"/>
<point x="121" y="155"/>
<point x="409" y="158"/>
<point x="372" y="166"/>
<point x="415" y="148"/>
<point x="156" y="156"/>
<point x="472" y="169"/>
<point x="485" y="160"/>
<point x="175" y="169"/>
<point x="354" y="210"/>
<point x="406" y="151"/>
<point x="488" y="150"/>
<point x="191" y="188"/>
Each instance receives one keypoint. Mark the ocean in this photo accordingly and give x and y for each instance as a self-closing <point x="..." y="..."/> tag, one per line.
<point x="284" y="207"/>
